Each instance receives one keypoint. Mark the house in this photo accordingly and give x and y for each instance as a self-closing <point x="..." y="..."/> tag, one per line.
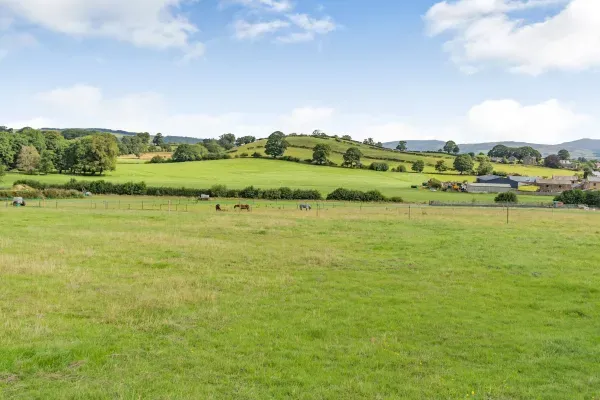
<point x="498" y="159"/>
<point x="554" y="185"/>
<point x="488" y="188"/>
<point x="512" y="159"/>
<point x="567" y="164"/>
<point x="498" y="180"/>
<point x="591" y="183"/>
<point x="528" y="160"/>
<point x="596" y="174"/>
<point x="565" y="178"/>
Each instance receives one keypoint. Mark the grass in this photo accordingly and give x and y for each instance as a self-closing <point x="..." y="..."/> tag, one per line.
<point x="361" y="304"/>
<point x="239" y="173"/>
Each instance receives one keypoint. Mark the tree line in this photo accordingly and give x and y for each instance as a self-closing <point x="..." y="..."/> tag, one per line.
<point x="34" y="151"/>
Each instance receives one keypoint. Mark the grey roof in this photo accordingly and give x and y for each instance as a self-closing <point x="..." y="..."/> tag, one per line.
<point x="565" y="178"/>
<point x="596" y="173"/>
<point x="524" y="179"/>
<point x="488" y="177"/>
<point x="593" y="179"/>
<point x="496" y="185"/>
<point x="553" y="182"/>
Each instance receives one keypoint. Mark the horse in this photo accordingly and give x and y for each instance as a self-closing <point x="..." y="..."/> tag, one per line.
<point x="242" y="207"/>
<point x="304" y="207"/>
<point x="218" y="207"/>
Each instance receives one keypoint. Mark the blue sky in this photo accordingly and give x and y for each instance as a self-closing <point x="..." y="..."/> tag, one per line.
<point x="468" y="70"/>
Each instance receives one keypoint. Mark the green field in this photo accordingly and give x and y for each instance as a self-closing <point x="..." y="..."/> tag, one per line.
<point x="301" y="147"/>
<point x="350" y="304"/>
<point x="239" y="173"/>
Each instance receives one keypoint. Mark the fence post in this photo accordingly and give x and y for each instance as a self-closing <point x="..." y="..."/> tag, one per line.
<point x="409" y="212"/>
<point x="57" y="204"/>
<point x="507" y="213"/>
<point x="142" y="205"/>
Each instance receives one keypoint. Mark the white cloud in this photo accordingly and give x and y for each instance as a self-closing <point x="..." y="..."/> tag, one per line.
<point x="269" y="5"/>
<point x="144" y="23"/>
<point x="493" y="120"/>
<point x="247" y="30"/>
<point x="487" y="31"/>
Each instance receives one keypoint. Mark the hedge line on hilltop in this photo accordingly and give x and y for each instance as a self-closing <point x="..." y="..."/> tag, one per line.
<point x="102" y="187"/>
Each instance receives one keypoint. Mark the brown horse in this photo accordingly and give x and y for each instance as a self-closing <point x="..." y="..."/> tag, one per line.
<point x="242" y="207"/>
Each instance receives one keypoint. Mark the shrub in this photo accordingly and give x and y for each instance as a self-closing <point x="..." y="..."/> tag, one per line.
<point x="308" y="160"/>
<point x="396" y="199"/>
<point x="250" y="193"/>
<point x="26" y="194"/>
<point x="256" y="154"/>
<point x="572" y="197"/>
<point x="434" y="184"/>
<point x="508" y="197"/>
<point x="500" y="173"/>
<point x="61" y="194"/>
<point x="399" y="168"/>
<point x="157" y="160"/>
<point x="289" y="158"/>
<point x="243" y="155"/>
<point x="218" y="191"/>
<point x="342" y="194"/>
<point x="377" y="166"/>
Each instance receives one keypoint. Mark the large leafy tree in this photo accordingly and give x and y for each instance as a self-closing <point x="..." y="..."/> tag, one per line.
<point x="53" y="140"/>
<point x="227" y="141"/>
<point x="485" y="168"/>
<point x="276" y="144"/>
<point x="564" y="155"/>
<point x="47" y="162"/>
<point x="552" y="161"/>
<point x="450" y="146"/>
<point x="401" y="146"/>
<point x="242" y="140"/>
<point x="418" y="166"/>
<point x="463" y="163"/>
<point x="352" y="157"/>
<point x="212" y="146"/>
<point x="7" y="152"/>
<point x="320" y="153"/>
<point x="441" y="166"/>
<point x="28" y="160"/>
<point x="158" y="140"/>
<point x="99" y="153"/>
<point x="187" y="152"/>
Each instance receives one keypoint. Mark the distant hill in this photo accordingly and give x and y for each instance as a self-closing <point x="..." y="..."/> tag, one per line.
<point x="589" y="148"/>
<point x="120" y="133"/>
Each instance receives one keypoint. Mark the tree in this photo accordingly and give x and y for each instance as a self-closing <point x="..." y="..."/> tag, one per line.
<point x="187" y="152"/>
<point x="212" y="146"/>
<point x="99" y="153"/>
<point x="244" y="140"/>
<point x="227" y="141"/>
<point x="472" y="155"/>
<point x="347" y="137"/>
<point x="320" y="153"/>
<point x="319" y="133"/>
<point x="508" y="197"/>
<point x="463" y="163"/>
<point x="53" y="140"/>
<point x="587" y="171"/>
<point x="28" y="160"/>
<point x="47" y="162"/>
<point x="481" y="158"/>
<point x="7" y="152"/>
<point x="441" y="166"/>
<point x="485" y="168"/>
<point x="369" y="142"/>
<point x="552" y="161"/>
<point x="456" y="150"/>
<point x="564" y="155"/>
<point x="2" y="172"/>
<point x="401" y="146"/>
<point x="450" y="146"/>
<point x="418" y="166"/>
<point x="158" y="140"/>
<point x="379" y="144"/>
<point x="499" y="151"/>
<point x="276" y="144"/>
<point x="352" y="157"/>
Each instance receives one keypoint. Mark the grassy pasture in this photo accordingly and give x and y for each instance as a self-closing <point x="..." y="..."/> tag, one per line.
<point x="284" y="304"/>
<point x="239" y="173"/>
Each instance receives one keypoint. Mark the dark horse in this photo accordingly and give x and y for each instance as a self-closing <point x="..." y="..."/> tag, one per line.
<point x="218" y="207"/>
<point x="242" y="207"/>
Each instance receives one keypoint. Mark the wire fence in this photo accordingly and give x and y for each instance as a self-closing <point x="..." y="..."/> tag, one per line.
<point x="506" y="214"/>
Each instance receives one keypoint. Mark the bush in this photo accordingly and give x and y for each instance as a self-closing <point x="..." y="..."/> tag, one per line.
<point x="308" y="160"/>
<point x="26" y="194"/>
<point x="218" y="191"/>
<point x="500" y="173"/>
<point x="157" y="160"/>
<point x="434" y="184"/>
<point x="573" y="197"/>
<point x="243" y="155"/>
<point x="377" y="166"/>
<point x="289" y="158"/>
<point x="342" y="194"/>
<point x="400" y="168"/>
<point x="256" y="154"/>
<point x="508" y="197"/>
<point x="396" y="199"/>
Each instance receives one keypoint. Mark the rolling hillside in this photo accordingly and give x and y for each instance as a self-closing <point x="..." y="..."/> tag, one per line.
<point x="589" y="148"/>
<point x="301" y="147"/>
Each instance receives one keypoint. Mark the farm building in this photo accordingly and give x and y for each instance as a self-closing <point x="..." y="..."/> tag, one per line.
<point x="592" y="183"/>
<point x="524" y="180"/>
<point x="596" y="174"/>
<point x="498" y="180"/>
<point x="488" y="188"/>
<point x="496" y="159"/>
<point x="554" y="185"/>
<point x="562" y="178"/>
<point x="512" y="159"/>
<point x="528" y="160"/>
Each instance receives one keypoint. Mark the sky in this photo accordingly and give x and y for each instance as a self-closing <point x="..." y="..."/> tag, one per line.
<point x="463" y="70"/>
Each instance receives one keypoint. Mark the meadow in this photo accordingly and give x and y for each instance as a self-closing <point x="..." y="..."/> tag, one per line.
<point x="277" y="303"/>
<point x="264" y="173"/>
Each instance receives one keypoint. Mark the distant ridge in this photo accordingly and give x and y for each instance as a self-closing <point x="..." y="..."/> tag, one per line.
<point x="588" y="148"/>
<point x="168" y="139"/>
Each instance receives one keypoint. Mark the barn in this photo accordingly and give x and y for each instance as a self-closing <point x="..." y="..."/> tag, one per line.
<point x="489" y="187"/>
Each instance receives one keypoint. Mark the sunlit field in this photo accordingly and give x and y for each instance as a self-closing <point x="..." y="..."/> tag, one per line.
<point x="340" y="302"/>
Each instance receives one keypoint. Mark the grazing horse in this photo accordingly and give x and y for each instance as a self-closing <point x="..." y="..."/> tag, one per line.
<point x="304" y="207"/>
<point x="218" y="207"/>
<point x="242" y="207"/>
